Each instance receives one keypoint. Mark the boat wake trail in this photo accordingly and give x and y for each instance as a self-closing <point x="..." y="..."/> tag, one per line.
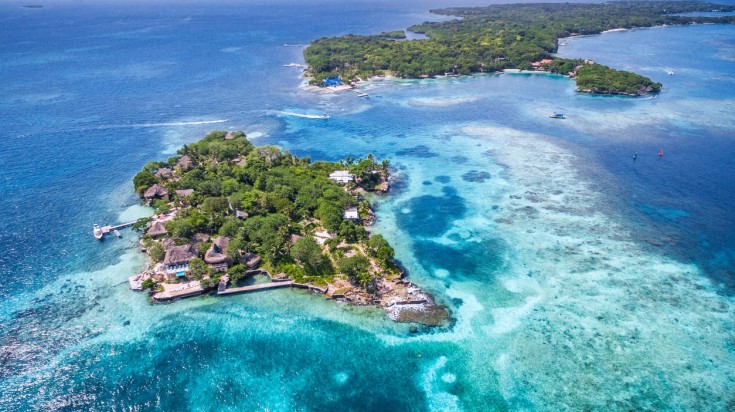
<point x="192" y="123"/>
<point x="305" y="116"/>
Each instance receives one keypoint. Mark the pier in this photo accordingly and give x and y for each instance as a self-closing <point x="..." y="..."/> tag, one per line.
<point x="253" y="288"/>
<point x="99" y="232"/>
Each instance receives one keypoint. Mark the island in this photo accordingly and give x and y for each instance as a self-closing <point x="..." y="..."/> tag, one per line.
<point x="499" y="37"/>
<point x="231" y="217"/>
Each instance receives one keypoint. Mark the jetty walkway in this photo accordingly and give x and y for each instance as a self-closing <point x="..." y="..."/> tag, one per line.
<point x="253" y="288"/>
<point x="104" y="230"/>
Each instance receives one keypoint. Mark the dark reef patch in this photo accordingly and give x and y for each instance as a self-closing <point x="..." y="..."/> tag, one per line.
<point x="418" y="151"/>
<point x="469" y="260"/>
<point x="475" y="176"/>
<point x="432" y="215"/>
<point x="443" y="179"/>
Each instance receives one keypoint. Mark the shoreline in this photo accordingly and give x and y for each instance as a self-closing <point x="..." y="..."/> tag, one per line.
<point x="358" y="81"/>
<point x="328" y="251"/>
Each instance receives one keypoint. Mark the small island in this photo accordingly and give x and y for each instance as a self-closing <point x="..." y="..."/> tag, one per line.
<point x="234" y="218"/>
<point x="499" y="37"/>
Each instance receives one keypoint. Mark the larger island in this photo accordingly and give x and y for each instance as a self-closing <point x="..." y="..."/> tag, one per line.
<point x="234" y="218"/>
<point x="498" y="37"/>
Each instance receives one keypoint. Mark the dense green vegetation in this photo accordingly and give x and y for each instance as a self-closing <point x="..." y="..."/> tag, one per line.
<point x="498" y="37"/>
<point x="603" y="80"/>
<point x="259" y="197"/>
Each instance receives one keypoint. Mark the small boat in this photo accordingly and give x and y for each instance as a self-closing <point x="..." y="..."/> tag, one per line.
<point x="669" y="71"/>
<point x="117" y="233"/>
<point x="97" y="231"/>
<point x="293" y="65"/>
<point x="661" y="153"/>
<point x="557" y="115"/>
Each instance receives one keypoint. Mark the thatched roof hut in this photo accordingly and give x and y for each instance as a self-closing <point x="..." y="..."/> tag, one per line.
<point x="251" y="260"/>
<point x="163" y="172"/>
<point x="158" y="228"/>
<point x="156" y="192"/>
<point x="217" y="253"/>
<point x="200" y="237"/>
<point x="183" y="163"/>
<point x="184" y="192"/>
<point x="179" y="255"/>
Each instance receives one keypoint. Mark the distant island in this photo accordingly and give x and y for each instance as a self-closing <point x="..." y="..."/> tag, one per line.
<point x="234" y="218"/>
<point x="498" y="37"/>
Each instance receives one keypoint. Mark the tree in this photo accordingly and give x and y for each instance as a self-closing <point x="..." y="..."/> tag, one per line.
<point x="348" y="230"/>
<point x="236" y="273"/>
<point x="307" y="251"/>
<point x="148" y="284"/>
<point x="143" y="180"/>
<point x="268" y="233"/>
<point x="198" y="268"/>
<point x="352" y="266"/>
<point x="330" y="215"/>
<point x="141" y="223"/>
<point x="379" y="248"/>
<point x="156" y="252"/>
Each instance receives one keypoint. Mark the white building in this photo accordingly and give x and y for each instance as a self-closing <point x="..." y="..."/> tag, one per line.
<point x="351" y="214"/>
<point x="342" y="176"/>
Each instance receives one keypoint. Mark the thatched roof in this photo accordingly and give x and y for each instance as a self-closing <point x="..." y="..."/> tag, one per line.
<point x="178" y="255"/>
<point x="164" y="171"/>
<point x="200" y="237"/>
<point x="217" y="253"/>
<point x="158" y="228"/>
<point x="155" y="191"/>
<point x="251" y="260"/>
<point x="184" y="192"/>
<point x="183" y="162"/>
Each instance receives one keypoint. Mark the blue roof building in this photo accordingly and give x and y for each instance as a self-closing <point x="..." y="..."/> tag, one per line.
<point x="332" y="81"/>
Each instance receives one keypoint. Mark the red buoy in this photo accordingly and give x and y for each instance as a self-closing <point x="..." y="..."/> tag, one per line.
<point x="661" y="153"/>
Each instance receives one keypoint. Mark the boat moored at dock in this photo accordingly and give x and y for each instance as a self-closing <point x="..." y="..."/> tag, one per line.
<point x="97" y="231"/>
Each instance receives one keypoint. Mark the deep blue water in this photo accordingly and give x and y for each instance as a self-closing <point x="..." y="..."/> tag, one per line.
<point x="578" y="277"/>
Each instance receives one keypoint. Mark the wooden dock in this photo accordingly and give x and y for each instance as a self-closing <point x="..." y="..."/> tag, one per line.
<point x="253" y="288"/>
<point x="110" y="228"/>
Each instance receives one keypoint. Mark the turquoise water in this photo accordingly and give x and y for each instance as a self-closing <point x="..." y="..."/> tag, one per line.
<point x="578" y="278"/>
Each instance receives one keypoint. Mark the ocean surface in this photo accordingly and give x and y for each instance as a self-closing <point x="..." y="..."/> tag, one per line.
<point x="578" y="277"/>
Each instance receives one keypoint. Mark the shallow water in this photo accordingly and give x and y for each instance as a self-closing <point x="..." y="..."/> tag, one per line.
<point x="578" y="277"/>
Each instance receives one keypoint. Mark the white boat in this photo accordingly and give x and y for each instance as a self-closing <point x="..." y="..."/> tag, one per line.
<point x="293" y="65"/>
<point x="557" y="115"/>
<point x="97" y="231"/>
<point x="669" y="71"/>
<point x="117" y="233"/>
